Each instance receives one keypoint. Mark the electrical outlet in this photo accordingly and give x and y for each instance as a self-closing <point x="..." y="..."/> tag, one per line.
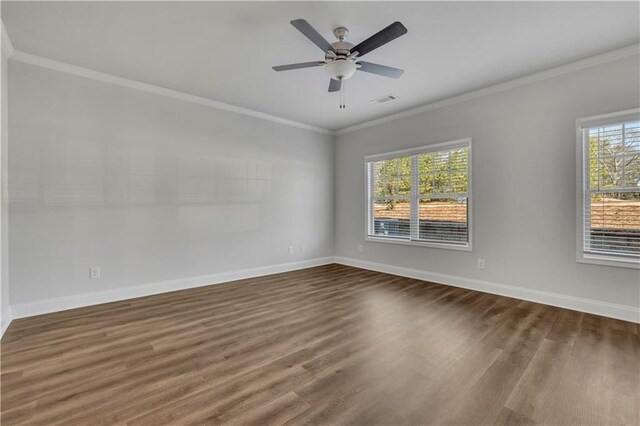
<point x="94" y="272"/>
<point x="303" y="248"/>
<point x="481" y="264"/>
<point x="360" y="248"/>
<point x="290" y="249"/>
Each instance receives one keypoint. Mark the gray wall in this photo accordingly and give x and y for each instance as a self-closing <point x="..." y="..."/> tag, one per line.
<point x="524" y="184"/>
<point x="151" y="188"/>
<point x="4" y="205"/>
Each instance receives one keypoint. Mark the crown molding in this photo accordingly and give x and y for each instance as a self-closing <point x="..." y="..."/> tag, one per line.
<point x="604" y="58"/>
<point x="6" y="41"/>
<point x="157" y="90"/>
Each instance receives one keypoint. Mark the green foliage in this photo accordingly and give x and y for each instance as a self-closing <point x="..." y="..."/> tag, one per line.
<point x="392" y="178"/>
<point x="439" y="173"/>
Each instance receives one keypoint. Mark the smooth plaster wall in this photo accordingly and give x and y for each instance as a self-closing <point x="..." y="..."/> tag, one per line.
<point x="150" y="188"/>
<point x="4" y="205"/>
<point x="524" y="184"/>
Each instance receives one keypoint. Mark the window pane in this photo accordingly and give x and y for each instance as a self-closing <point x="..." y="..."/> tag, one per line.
<point x="614" y="156"/>
<point x="425" y="164"/>
<point x="441" y="183"/>
<point x="460" y="159"/>
<point x="426" y="184"/>
<point x="632" y="173"/>
<point x="392" y="177"/>
<point x="391" y="169"/>
<point x="610" y="172"/>
<point x="444" y="172"/>
<point x="459" y="183"/>
<point x="444" y="220"/>
<point x="613" y="223"/>
<point x="441" y="161"/>
<point x="632" y="143"/>
<point x="391" y="218"/>
<point x="631" y="160"/>
<point x="384" y="189"/>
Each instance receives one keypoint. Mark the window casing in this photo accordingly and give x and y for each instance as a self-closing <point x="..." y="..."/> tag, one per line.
<point x="609" y="189"/>
<point x="421" y="196"/>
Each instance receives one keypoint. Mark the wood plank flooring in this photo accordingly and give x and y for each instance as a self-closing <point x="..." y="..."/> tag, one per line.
<point x="326" y="345"/>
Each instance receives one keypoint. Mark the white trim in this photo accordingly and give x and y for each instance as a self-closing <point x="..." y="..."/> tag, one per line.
<point x="614" y="55"/>
<point x="458" y="143"/>
<point x="157" y="90"/>
<point x="604" y="58"/>
<point x="6" y="320"/>
<point x="418" y="243"/>
<point x="46" y="306"/>
<point x="608" y="261"/>
<point x="7" y="49"/>
<point x="610" y="118"/>
<point x="582" y="125"/>
<point x="6" y="41"/>
<point x="612" y="310"/>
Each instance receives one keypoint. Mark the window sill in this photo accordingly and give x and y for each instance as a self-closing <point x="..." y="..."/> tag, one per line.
<point x="608" y="261"/>
<point x="408" y="242"/>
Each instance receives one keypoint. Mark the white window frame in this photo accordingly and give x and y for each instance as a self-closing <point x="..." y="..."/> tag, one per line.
<point x="582" y="125"/>
<point x="414" y="196"/>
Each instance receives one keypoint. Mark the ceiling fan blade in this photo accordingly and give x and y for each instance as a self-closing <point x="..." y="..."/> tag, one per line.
<point x="382" y="70"/>
<point x="309" y="32"/>
<point x="297" y="66"/>
<point x="334" y="85"/>
<point x="380" y="38"/>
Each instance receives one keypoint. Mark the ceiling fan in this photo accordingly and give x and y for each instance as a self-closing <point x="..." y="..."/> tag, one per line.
<point x="342" y="59"/>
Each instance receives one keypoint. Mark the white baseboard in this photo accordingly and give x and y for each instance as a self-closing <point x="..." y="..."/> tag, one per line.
<point x="6" y="320"/>
<point x="612" y="310"/>
<point x="22" y="310"/>
<point x="46" y="306"/>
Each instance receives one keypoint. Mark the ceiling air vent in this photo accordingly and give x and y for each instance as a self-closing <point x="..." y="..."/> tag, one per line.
<point x="384" y="99"/>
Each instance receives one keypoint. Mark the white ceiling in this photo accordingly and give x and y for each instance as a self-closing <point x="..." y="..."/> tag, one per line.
<point x="224" y="51"/>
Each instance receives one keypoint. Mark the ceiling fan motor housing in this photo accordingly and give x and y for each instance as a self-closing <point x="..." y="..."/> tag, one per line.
<point x="339" y="65"/>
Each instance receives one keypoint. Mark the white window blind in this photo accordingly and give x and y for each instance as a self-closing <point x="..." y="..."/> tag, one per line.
<point x="421" y="196"/>
<point x="611" y="189"/>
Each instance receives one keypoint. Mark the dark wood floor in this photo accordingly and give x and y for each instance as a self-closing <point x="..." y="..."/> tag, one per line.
<point x="326" y="345"/>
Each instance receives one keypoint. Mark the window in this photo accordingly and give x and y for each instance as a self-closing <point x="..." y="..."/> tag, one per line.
<point x="421" y="196"/>
<point x="609" y="216"/>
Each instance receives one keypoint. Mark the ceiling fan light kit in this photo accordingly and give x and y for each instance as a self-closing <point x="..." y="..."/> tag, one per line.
<point x="342" y="59"/>
<point x="340" y="69"/>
